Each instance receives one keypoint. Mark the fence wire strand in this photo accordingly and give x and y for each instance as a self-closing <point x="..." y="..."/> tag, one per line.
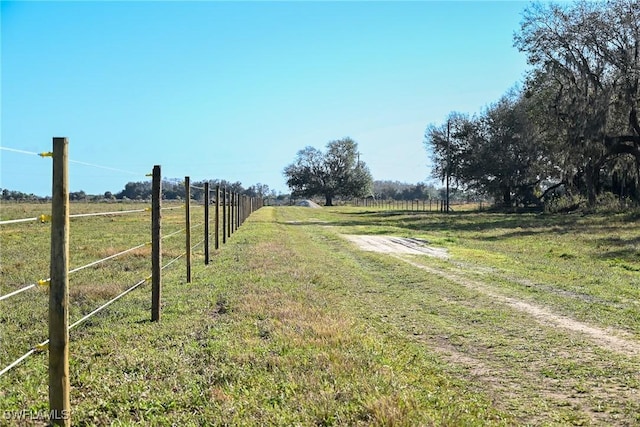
<point x="89" y="315"/>
<point x="174" y="260"/>
<point x="197" y="244"/>
<point x="41" y="345"/>
<point x="74" y="161"/>
<point x="20" y="359"/>
<point x="73" y="325"/>
<point x="14" y="221"/>
<point x="26" y="288"/>
<point x="107" y="258"/>
<point x="75" y="270"/>
<point x="173" y="234"/>
<point x="107" y="304"/>
<point x="19" y="151"/>
<point x="107" y="213"/>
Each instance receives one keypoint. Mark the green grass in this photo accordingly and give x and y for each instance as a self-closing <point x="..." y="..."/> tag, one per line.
<point x="290" y="324"/>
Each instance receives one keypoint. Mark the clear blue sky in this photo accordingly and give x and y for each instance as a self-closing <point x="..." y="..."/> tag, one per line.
<point x="234" y="89"/>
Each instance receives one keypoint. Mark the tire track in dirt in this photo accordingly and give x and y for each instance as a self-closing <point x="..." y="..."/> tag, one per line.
<point x="542" y="380"/>
<point x="610" y="339"/>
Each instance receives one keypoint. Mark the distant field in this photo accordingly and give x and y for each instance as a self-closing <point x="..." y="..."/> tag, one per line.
<point x="532" y="319"/>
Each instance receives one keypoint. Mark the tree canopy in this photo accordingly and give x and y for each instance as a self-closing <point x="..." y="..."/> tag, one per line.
<point x="336" y="172"/>
<point x="574" y="124"/>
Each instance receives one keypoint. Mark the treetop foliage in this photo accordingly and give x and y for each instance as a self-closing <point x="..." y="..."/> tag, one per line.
<point x="573" y="126"/>
<point x="337" y="172"/>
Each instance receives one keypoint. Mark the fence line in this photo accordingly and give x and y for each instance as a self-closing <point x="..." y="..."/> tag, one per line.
<point x="38" y="347"/>
<point x="107" y="304"/>
<point x="91" y="264"/>
<point x="49" y="154"/>
<point x="108" y="213"/>
<point x="45" y="218"/>
<point x="235" y="209"/>
<point x="415" y="205"/>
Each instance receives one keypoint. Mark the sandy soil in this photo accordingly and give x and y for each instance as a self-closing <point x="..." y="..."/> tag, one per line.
<point x="308" y="204"/>
<point x="596" y="400"/>
<point x="396" y="245"/>
<point x="613" y="340"/>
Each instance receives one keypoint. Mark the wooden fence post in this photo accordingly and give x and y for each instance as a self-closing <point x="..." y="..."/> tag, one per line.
<point x="237" y="211"/>
<point x="187" y="216"/>
<point x="217" y="220"/>
<point x="206" y="223"/>
<point x="59" y="401"/>
<point x="234" y="212"/>
<point x="224" y="215"/>
<point x="244" y="212"/>
<point x="229" y="216"/>
<point x="156" y="243"/>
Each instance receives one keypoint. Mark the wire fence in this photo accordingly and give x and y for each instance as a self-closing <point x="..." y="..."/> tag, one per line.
<point x="418" y="205"/>
<point x="230" y="211"/>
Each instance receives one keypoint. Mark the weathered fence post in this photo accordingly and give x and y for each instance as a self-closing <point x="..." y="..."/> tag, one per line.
<point x="206" y="223"/>
<point x="229" y="215"/>
<point x="59" y="401"/>
<point x="238" y="210"/>
<point x="187" y="216"/>
<point x="156" y="243"/>
<point x="232" y="214"/>
<point x="224" y="215"/>
<point x="217" y="221"/>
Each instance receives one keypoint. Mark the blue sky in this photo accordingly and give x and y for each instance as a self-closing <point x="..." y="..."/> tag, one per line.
<point x="233" y="90"/>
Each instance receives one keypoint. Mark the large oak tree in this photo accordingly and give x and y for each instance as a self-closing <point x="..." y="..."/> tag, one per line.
<point x="336" y="172"/>
<point x="586" y="59"/>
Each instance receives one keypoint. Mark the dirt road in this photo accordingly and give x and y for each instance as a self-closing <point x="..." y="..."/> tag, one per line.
<point x="604" y="386"/>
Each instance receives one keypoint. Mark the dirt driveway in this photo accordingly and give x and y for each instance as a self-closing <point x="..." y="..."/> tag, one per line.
<point x="574" y="371"/>
<point x="613" y="340"/>
<point x="395" y="245"/>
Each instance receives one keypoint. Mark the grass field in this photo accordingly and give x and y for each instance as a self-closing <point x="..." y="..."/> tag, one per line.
<point x="532" y="320"/>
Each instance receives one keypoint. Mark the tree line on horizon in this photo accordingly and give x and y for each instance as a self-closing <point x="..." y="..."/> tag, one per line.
<point x="173" y="189"/>
<point x="571" y="130"/>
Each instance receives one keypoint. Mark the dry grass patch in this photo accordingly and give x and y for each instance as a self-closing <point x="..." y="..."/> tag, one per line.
<point x="88" y="292"/>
